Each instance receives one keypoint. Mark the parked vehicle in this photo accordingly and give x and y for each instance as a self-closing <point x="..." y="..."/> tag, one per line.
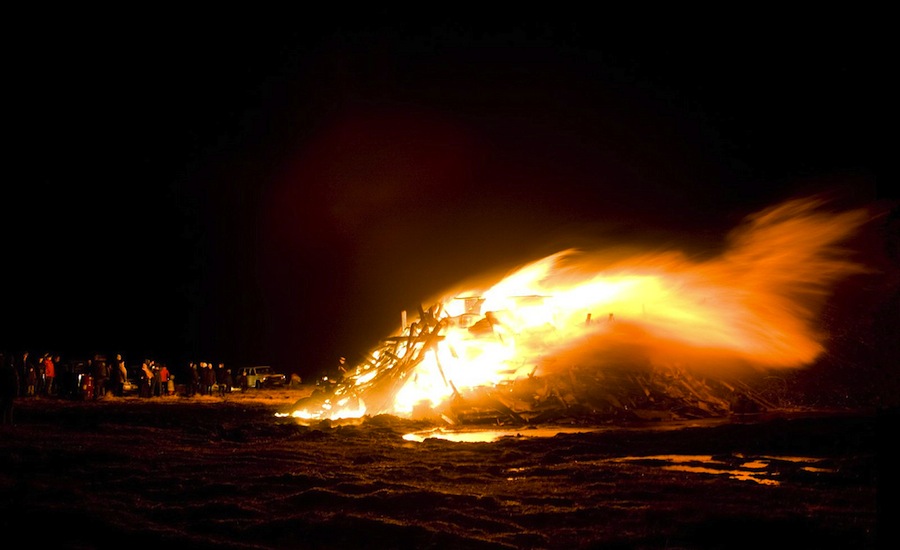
<point x="130" y="387"/>
<point x="262" y="376"/>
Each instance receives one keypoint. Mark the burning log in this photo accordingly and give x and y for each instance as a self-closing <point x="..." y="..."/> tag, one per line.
<point x="606" y="391"/>
<point x="746" y="399"/>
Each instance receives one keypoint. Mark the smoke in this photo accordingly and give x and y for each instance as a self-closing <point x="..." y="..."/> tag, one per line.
<point x="755" y="304"/>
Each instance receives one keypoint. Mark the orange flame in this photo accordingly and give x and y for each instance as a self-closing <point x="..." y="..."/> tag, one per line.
<point x="755" y="304"/>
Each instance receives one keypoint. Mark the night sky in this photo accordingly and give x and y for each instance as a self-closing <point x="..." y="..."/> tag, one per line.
<point x="258" y="188"/>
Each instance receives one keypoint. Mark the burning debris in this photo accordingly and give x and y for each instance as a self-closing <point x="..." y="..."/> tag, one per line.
<point x="655" y="336"/>
<point x="625" y="391"/>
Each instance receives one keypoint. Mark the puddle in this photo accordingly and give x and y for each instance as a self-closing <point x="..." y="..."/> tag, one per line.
<point x="479" y="435"/>
<point x="763" y="470"/>
<point x="488" y="436"/>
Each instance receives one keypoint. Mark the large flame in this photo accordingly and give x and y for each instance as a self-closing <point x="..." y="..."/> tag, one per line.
<point x="754" y="304"/>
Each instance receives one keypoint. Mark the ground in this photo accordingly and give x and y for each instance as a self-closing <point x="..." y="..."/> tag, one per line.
<point x="210" y="472"/>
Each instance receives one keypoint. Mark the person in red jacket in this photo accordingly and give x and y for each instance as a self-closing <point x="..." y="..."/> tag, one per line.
<point x="49" y="375"/>
<point x="163" y="380"/>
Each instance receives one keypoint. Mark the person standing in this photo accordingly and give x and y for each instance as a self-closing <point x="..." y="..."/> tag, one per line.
<point x="120" y="375"/>
<point x="243" y="381"/>
<point x="23" y="365"/>
<point x="163" y="374"/>
<point x="30" y="381"/>
<point x="146" y="379"/>
<point x="40" y="383"/>
<point x="222" y="385"/>
<point x="170" y="388"/>
<point x="194" y="381"/>
<point x="207" y="377"/>
<point x="101" y="376"/>
<point x="154" y="381"/>
<point x="49" y="375"/>
<point x="229" y="380"/>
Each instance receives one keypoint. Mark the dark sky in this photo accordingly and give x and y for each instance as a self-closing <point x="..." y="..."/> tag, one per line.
<point x="258" y="188"/>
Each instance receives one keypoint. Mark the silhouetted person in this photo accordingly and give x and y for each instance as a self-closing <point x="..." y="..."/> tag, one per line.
<point x="194" y="380"/>
<point x="223" y="379"/>
<point x="146" y="380"/>
<point x="207" y="377"/>
<point x="41" y="376"/>
<point x="31" y="378"/>
<point x="155" y="383"/>
<point x="118" y="376"/>
<point x="100" y="373"/>
<point x="23" y="365"/>
<point x="87" y="385"/>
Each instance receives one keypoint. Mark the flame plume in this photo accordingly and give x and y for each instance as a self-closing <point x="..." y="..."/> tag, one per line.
<point x="755" y="304"/>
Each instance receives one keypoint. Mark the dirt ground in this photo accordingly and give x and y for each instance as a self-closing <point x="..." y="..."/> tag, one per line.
<point x="210" y="472"/>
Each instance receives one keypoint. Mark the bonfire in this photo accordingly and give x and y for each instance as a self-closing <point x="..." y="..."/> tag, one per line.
<point x="601" y="335"/>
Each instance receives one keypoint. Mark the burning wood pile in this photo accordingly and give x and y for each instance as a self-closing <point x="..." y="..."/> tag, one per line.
<point x="599" y="392"/>
<point x="673" y="337"/>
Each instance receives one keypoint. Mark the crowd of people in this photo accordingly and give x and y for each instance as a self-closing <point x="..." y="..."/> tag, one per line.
<point x="26" y="375"/>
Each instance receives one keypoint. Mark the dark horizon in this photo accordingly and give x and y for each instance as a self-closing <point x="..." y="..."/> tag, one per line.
<point x="267" y="193"/>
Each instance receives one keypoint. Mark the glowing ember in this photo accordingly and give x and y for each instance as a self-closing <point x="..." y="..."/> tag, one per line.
<point x="753" y="305"/>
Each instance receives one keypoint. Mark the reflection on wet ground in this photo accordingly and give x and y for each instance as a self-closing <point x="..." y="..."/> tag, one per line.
<point x="762" y="470"/>
<point x="487" y="435"/>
